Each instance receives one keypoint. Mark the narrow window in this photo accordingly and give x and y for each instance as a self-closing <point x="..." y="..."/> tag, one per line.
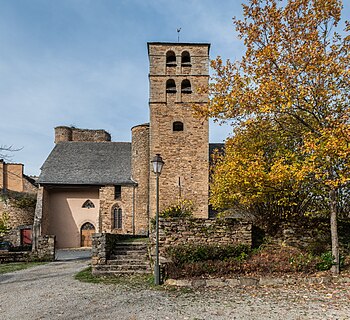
<point x="185" y="59"/>
<point x="170" y="86"/>
<point x="117" y="218"/>
<point x="117" y="192"/>
<point x="88" y="204"/>
<point x="170" y="59"/>
<point x="186" y="86"/>
<point x="178" y="126"/>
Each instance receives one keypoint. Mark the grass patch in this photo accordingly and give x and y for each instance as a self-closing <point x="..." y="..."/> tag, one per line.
<point x="138" y="281"/>
<point x="15" y="266"/>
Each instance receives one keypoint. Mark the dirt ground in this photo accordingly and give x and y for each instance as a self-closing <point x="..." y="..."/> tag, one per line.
<point x="50" y="292"/>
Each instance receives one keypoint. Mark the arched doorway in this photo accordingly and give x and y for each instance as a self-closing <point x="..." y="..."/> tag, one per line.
<point x="86" y="232"/>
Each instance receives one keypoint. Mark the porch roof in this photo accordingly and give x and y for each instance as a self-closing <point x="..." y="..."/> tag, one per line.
<point x="88" y="163"/>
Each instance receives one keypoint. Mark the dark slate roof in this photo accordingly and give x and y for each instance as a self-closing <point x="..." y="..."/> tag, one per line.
<point x="31" y="179"/>
<point x="88" y="163"/>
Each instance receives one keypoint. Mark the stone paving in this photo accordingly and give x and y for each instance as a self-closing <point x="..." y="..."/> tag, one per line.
<point x="73" y="254"/>
<point x="50" y="292"/>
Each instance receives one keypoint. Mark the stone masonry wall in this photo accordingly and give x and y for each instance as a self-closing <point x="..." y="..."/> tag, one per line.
<point x="29" y="187"/>
<point x="174" y="232"/>
<point x="107" y="205"/>
<point x="313" y="234"/>
<point x="45" y="249"/>
<point x="185" y="174"/>
<point x="103" y="246"/>
<point x="17" y="216"/>
<point x="63" y="133"/>
<point x="41" y="222"/>
<point x="140" y="173"/>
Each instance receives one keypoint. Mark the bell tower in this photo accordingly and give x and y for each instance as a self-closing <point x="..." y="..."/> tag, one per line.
<point x="177" y="71"/>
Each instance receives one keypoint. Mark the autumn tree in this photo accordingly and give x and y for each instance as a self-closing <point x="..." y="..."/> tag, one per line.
<point x="295" y="74"/>
<point x="260" y="175"/>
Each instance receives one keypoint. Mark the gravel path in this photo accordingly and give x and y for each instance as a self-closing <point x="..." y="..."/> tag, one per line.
<point x="50" y="292"/>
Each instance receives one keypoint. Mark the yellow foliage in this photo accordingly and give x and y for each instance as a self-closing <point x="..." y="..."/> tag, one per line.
<point x="293" y="83"/>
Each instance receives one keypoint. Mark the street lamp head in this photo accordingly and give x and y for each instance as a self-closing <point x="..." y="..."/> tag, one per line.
<point x="157" y="163"/>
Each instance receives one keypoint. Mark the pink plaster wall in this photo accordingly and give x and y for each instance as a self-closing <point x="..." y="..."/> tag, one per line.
<point x="66" y="215"/>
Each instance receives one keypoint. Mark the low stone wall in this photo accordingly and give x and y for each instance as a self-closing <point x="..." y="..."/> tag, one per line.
<point x="14" y="235"/>
<point x="44" y="252"/>
<point x="103" y="245"/>
<point x="46" y="248"/>
<point x="313" y="235"/>
<point x="209" y="231"/>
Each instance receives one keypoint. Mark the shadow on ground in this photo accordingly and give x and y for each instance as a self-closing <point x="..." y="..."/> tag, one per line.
<point x="72" y="254"/>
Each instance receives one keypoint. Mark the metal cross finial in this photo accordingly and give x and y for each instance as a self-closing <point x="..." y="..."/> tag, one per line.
<point x="178" y="34"/>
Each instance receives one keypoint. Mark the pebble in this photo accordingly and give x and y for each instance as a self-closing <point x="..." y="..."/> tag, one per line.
<point x="50" y="291"/>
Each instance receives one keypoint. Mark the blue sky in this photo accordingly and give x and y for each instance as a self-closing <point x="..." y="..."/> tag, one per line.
<point x="84" y="63"/>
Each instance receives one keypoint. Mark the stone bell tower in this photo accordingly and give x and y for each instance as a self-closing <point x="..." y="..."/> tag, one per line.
<point x="177" y="71"/>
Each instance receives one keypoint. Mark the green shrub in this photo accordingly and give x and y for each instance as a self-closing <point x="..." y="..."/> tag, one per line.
<point x="181" y="209"/>
<point x="184" y="254"/>
<point x="204" y="268"/>
<point x="22" y="200"/>
<point x="327" y="261"/>
<point x="302" y="261"/>
<point x="221" y="261"/>
<point x="25" y="201"/>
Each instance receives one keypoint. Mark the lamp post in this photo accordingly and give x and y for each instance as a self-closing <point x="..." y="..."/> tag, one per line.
<point x="158" y="163"/>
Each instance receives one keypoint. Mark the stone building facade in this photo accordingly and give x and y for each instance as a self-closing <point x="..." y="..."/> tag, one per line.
<point x="12" y="178"/>
<point x="17" y="202"/>
<point x="116" y="178"/>
<point x="177" y="71"/>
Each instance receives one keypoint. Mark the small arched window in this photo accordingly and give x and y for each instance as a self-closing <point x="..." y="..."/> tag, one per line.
<point x="186" y="86"/>
<point x="170" y="86"/>
<point x="88" y="204"/>
<point x="178" y="126"/>
<point x="170" y="59"/>
<point x="117" y="218"/>
<point x="185" y="59"/>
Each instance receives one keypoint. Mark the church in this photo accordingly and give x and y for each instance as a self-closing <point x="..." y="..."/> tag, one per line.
<point x="89" y="184"/>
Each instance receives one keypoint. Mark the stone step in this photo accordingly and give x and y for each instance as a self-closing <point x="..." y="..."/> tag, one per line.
<point x="125" y="257"/>
<point x="123" y="272"/>
<point x="131" y="254"/>
<point x="133" y="243"/>
<point x="127" y="262"/>
<point x="128" y="250"/>
<point x="116" y="268"/>
<point x="130" y="247"/>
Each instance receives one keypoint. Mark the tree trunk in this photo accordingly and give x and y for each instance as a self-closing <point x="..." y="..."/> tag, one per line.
<point x="334" y="230"/>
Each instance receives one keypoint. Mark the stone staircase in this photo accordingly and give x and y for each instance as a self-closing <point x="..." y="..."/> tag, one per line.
<point x="128" y="257"/>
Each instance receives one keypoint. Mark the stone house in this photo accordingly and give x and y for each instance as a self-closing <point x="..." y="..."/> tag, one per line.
<point x="90" y="184"/>
<point x="16" y="202"/>
<point x="12" y="178"/>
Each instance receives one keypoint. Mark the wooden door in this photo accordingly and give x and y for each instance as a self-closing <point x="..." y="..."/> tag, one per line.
<point x="26" y="237"/>
<point x="87" y="230"/>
